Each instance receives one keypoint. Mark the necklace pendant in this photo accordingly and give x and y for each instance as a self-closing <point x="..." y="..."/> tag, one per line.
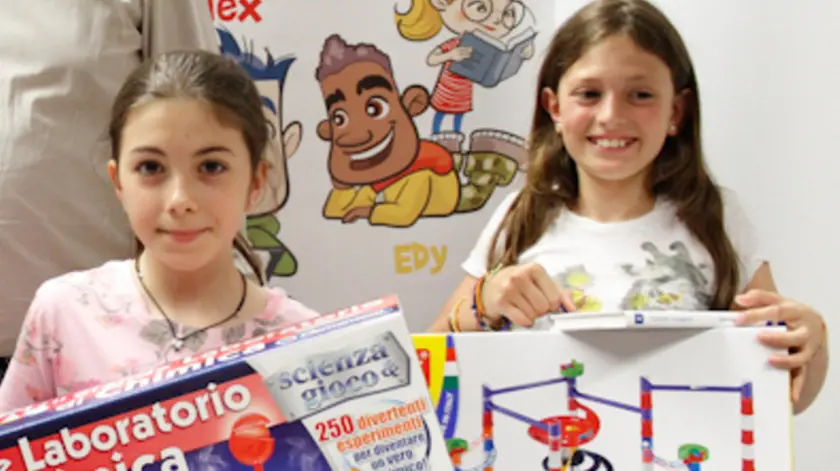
<point x="178" y="344"/>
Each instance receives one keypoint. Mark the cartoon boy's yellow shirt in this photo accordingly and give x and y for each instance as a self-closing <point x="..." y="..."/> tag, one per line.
<point x="429" y="187"/>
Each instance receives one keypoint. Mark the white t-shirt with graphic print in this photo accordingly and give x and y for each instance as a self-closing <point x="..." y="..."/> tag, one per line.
<point x="648" y="263"/>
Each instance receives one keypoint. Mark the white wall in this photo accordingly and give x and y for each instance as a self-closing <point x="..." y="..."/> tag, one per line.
<point x="768" y="82"/>
<point x="797" y="159"/>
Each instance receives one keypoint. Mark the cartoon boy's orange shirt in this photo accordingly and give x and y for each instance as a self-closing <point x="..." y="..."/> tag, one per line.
<point x="429" y="187"/>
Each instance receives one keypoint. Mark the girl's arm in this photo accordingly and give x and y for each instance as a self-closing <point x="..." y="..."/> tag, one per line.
<point x="437" y="57"/>
<point x="448" y="51"/>
<point x="815" y="372"/>
<point x="475" y="266"/>
<point x="816" y="369"/>
<point x="29" y="378"/>
<point x="745" y="237"/>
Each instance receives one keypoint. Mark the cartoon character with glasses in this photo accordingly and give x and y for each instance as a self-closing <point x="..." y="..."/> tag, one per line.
<point x="483" y="23"/>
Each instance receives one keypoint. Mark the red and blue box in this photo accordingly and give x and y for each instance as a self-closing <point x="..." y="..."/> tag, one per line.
<point x="341" y="392"/>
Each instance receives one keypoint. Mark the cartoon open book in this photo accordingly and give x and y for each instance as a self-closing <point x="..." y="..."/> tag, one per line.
<point x="493" y="60"/>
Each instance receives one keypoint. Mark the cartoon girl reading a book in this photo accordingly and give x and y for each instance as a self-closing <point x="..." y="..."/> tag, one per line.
<point x="482" y="24"/>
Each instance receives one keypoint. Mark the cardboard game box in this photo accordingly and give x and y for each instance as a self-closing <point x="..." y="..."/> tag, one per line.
<point x="342" y="392"/>
<point x="702" y="399"/>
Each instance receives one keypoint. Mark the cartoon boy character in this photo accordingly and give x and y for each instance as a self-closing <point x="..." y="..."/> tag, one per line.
<point x="374" y="143"/>
<point x="263" y="227"/>
<point x="381" y="169"/>
<point x="453" y="93"/>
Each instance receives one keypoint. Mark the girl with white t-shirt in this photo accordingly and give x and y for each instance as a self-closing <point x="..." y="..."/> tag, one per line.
<point x="618" y="211"/>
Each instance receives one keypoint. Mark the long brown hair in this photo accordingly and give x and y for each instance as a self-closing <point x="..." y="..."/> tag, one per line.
<point x="679" y="172"/>
<point x="213" y="79"/>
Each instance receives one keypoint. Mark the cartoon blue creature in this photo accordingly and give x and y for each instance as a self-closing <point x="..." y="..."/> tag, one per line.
<point x="263" y="227"/>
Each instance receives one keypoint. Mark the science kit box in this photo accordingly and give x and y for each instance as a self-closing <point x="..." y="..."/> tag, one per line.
<point x="341" y="392"/>
<point x="613" y="399"/>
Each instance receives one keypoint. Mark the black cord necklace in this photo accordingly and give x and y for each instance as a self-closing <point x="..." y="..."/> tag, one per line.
<point x="177" y="340"/>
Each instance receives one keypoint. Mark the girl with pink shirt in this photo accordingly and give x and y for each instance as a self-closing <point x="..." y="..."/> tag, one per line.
<point x="187" y="138"/>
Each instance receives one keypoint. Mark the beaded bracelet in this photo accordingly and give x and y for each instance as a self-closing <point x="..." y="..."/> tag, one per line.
<point x="454" y="323"/>
<point x="478" y="304"/>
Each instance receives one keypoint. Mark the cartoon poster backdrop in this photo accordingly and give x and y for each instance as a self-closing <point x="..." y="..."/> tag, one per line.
<point x="397" y="129"/>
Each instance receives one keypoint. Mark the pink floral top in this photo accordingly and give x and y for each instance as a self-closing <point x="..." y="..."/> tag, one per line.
<point x="91" y="327"/>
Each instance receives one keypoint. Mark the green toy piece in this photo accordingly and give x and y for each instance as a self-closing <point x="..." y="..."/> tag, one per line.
<point x="693" y="452"/>
<point x="572" y="370"/>
<point x="457" y="445"/>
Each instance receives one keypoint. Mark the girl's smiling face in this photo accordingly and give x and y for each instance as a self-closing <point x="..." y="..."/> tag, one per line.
<point x="616" y="106"/>
<point x="494" y="17"/>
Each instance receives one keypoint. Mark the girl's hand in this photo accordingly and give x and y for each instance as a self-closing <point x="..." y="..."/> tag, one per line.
<point x="803" y="338"/>
<point x="522" y="293"/>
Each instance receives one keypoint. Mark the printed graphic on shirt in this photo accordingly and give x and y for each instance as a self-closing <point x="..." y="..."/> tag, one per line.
<point x="381" y="169"/>
<point x="158" y="333"/>
<point x="40" y="343"/>
<point x="663" y="281"/>
<point x="667" y="281"/>
<point x="577" y="280"/>
<point x="492" y="39"/>
<point x="263" y="227"/>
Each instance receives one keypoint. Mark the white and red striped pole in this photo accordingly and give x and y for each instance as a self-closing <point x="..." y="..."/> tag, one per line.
<point x="747" y="428"/>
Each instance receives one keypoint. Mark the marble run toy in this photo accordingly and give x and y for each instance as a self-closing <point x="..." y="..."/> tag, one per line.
<point x="566" y="434"/>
